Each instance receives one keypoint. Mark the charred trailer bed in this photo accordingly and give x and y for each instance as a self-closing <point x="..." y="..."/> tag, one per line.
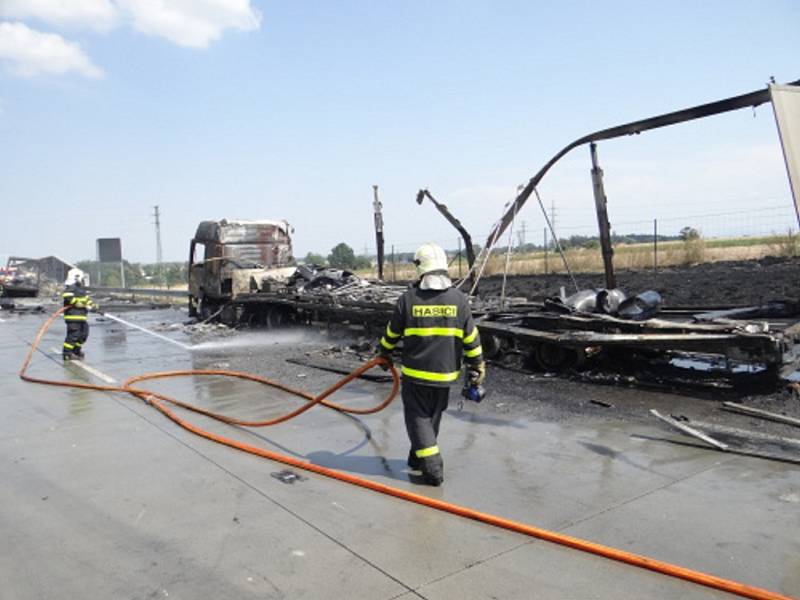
<point x="557" y="342"/>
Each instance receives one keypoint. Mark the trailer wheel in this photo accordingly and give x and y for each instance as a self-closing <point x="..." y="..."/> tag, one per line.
<point x="229" y="315"/>
<point x="552" y="357"/>
<point x="276" y="318"/>
<point x="492" y="345"/>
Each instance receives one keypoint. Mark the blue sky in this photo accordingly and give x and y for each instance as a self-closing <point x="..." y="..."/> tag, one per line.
<point x="230" y="108"/>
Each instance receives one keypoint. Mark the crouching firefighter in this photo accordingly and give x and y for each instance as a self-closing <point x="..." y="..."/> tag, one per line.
<point x="436" y="325"/>
<point x="78" y="304"/>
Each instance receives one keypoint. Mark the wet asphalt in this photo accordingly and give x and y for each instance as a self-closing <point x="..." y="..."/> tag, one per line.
<point x="103" y="497"/>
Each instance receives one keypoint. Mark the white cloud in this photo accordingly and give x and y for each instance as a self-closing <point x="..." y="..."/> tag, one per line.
<point x="28" y="53"/>
<point x="192" y="23"/>
<point x="99" y="15"/>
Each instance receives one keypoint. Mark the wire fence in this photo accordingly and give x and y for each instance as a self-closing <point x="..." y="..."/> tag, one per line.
<point x="666" y="239"/>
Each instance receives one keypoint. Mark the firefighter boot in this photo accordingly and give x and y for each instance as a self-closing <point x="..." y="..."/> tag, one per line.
<point x="432" y="468"/>
<point x="413" y="462"/>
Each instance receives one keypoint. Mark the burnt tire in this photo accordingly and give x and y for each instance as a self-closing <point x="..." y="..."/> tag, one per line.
<point x="229" y="315"/>
<point x="492" y="346"/>
<point x="555" y="358"/>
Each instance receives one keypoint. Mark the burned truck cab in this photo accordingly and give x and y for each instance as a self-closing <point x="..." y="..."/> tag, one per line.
<point x="228" y="258"/>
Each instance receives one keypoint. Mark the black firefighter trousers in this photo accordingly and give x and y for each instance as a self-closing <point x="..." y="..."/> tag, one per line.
<point x="423" y="406"/>
<point x="77" y="333"/>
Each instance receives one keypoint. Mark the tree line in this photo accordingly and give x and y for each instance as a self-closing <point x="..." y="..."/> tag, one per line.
<point x="166" y="274"/>
<point x="342" y="256"/>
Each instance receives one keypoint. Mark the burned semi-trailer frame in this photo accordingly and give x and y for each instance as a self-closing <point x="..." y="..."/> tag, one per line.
<point x="555" y="340"/>
<point x="768" y="348"/>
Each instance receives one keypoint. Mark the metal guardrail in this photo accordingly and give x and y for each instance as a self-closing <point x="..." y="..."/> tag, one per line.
<point x="139" y="291"/>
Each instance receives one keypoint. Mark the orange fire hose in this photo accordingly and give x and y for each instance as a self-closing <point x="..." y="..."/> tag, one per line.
<point x="159" y="401"/>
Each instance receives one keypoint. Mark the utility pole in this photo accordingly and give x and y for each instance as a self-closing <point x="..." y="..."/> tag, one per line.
<point x="157" y="217"/>
<point x="378" y="208"/>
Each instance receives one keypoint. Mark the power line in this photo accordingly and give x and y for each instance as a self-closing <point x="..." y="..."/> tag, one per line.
<point x="521" y="234"/>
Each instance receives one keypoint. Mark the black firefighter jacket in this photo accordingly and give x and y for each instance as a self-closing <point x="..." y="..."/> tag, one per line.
<point x="437" y="328"/>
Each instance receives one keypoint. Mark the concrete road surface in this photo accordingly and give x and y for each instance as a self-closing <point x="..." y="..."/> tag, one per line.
<point x="103" y="497"/>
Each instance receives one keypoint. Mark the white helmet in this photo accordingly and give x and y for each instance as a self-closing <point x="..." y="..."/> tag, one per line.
<point x="430" y="257"/>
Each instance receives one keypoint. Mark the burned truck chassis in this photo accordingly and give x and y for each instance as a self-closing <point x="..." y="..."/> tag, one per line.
<point x="741" y="350"/>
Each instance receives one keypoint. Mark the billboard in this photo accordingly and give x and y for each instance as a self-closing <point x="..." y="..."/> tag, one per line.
<point x="109" y="250"/>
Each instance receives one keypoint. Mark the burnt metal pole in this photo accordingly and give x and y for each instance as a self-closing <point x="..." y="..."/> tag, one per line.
<point x="422" y="194"/>
<point x="602" y="219"/>
<point x="377" y="206"/>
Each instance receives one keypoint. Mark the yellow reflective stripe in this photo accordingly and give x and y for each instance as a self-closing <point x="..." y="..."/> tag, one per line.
<point x="78" y="344"/>
<point x="428" y="331"/>
<point x="67" y="294"/>
<point x="68" y="346"/>
<point x="386" y="344"/>
<point x="429" y="375"/>
<point x="474" y="352"/>
<point x="471" y="337"/>
<point x="75" y="318"/>
<point x="434" y="310"/>
<point x="390" y="333"/>
<point x="426" y="452"/>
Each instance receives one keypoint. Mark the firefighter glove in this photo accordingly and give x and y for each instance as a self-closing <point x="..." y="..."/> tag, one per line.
<point x="476" y="374"/>
<point x="385" y="358"/>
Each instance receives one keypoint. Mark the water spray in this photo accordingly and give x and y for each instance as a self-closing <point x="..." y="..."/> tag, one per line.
<point x="147" y="331"/>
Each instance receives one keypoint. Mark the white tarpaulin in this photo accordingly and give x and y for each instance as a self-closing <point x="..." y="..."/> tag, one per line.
<point x="786" y="103"/>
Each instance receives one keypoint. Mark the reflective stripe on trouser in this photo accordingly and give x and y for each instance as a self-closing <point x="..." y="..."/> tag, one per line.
<point x="426" y="452"/>
<point x="76" y="318"/>
<point x="423" y="406"/>
<point x="77" y="333"/>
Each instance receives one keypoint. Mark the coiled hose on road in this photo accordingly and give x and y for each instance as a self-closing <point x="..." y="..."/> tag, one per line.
<point x="160" y="402"/>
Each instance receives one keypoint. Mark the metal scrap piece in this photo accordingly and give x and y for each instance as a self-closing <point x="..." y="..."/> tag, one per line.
<point x="689" y="430"/>
<point x="763" y="414"/>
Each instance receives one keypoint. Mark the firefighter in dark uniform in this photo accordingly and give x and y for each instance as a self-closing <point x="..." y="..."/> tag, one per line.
<point x="436" y="325"/>
<point x="78" y="304"/>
